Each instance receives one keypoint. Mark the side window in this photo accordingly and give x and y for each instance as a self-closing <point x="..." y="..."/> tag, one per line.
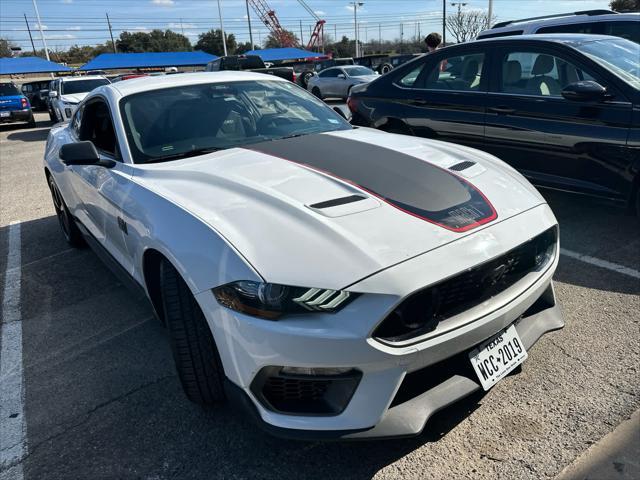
<point x="589" y="27"/>
<point x="629" y="30"/>
<point x="332" y="73"/>
<point x="539" y="74"/>
<point x="27" y="88"/>
<point x="462" y="72"/>
<point x="77" y="119"/>
<point x="96" y="126"/>
<point x="410" y="78"/>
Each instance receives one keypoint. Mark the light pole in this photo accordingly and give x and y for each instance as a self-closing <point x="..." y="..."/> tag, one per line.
<point x="44" y="41"/>
<point x="355" y="23"/>
<point x="249" y="20"/>
<point x="224" y="40"/>
<point x="490" y="14"/>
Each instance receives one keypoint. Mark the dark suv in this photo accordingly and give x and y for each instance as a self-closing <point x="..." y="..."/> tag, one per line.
<point x="562" y="109"/>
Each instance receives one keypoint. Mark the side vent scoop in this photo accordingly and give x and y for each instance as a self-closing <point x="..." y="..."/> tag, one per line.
<point x="458" y="167"/>
<point x="338" y="201"/>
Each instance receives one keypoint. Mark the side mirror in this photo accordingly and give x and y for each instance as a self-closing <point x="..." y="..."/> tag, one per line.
<point x="585" y="91"/>
<point x="342" y="76"/>
<point x="83" y="153"/>
<point x="340" y="112"/>
<point x="53" y="94"/>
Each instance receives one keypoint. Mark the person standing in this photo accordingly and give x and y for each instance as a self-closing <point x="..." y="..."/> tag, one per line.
<point x="433" y="41"/>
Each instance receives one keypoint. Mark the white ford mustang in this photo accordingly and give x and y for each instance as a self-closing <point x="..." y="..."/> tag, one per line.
<point x="338" y="282"/>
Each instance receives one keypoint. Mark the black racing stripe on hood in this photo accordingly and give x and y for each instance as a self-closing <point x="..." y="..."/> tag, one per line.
<point x="406" y="182"/>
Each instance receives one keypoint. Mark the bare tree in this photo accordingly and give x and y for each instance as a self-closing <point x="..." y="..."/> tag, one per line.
<point x="465" y="25"/>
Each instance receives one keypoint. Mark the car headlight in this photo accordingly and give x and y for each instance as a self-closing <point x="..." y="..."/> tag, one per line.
<point x="271" y="300"/>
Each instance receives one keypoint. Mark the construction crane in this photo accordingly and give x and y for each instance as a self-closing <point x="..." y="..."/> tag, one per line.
<point x="317" y="37"/>
<point x="286" y="39"/>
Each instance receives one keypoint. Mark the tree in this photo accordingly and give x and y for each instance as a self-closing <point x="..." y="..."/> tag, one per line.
<point x="343" y="48"/>
<point x="154" y="41"/>
<point x="6" y="48"/>
<point x="273" y="42"/>
<point x="211" y="42"/>
<point x="625" y="5"/>
<point x="467" y="24"/>
<point x="245" y="47"/>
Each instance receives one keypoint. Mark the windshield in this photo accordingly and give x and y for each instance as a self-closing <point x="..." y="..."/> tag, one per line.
<point x="618" y="55"/>
<point x="7" y="89"/>
<point x="82" y="86"/>
<point x="359" y="71"/>
<point x="184" y="121"/>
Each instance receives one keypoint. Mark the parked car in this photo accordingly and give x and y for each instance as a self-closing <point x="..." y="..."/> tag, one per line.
<point x="337" y="282"/>
<point x="562" y="109"/>
<point x="37" y="92"/>
<point x="14" y="106"/>
<point x="337" y="82"/>
<point x="65" y="93"/>
<point x="600" y="22"/>
<point x="249" y="63"/>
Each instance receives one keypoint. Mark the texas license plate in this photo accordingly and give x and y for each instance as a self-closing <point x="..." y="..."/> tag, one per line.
<point x="5" y="114"/>
<point x="496" y="357"/>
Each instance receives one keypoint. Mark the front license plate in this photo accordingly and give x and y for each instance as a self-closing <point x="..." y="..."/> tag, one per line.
<point x="496" y="357"/>
<point x="5" y="114"/>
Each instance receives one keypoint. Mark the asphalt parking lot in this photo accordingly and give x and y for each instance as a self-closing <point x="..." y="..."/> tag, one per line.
<point x="102" y="399"/>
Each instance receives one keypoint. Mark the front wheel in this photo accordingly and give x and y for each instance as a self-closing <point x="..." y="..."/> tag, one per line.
<point x="194" y="349"/>
<point x="70" y="230"/>
<point x="316" y="92"/>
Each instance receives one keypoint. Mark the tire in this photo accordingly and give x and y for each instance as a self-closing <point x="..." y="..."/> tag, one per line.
<point x="194" y="350"/>
<point x="305" y="78"/>
<point x="316" y="92"/>
<point x="385" y="68"/>
<point x="70" y="230"/>
<point x="397" y="127"/>
<point x="32" y="123"/>
<point x="52" y="116"/>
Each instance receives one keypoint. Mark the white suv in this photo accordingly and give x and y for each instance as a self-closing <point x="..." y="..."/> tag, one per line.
<point x="65" y="93"/>
<point x="601" y="22"/>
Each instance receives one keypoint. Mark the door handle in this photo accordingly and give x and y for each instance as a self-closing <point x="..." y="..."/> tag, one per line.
<point x="501" y="110"/>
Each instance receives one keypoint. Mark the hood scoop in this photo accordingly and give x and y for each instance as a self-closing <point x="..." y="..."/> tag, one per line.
<point x="338" y="207"/>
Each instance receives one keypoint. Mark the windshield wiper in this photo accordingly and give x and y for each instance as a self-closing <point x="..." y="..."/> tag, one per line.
<point x="187" y="154"/>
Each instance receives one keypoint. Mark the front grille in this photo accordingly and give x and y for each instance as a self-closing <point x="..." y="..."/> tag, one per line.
<point x="421" y="312"/>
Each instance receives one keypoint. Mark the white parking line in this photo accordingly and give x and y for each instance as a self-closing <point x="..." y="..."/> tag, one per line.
<point x="13" y="441"/>
<point x="614" y="267"/>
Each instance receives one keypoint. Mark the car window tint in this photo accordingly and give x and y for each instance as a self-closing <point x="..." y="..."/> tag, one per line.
<point x="462" y="72"/>
<point x="331" y="73"/>
<point x="534" y="73"/>
<point x="7" y="89"/>
<point x="629" y="30"/>
<point x="586" y="27"/>
<point x="409" y="79"/>
<point x="96" y="126"/>
<point x="75" y="122"/>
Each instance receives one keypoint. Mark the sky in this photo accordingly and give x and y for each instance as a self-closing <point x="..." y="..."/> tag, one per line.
<point x="84" y="22"/>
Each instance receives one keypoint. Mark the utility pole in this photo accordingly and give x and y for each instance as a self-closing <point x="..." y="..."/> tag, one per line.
<point x="181" y="26"/>
<point x="460" y="5"/>
<point x="115" y="50"/>
<point x="224" y="40"/>
<point x="30" y="37"/>
<point x="490" y="14"/>
<point x="335" y="32"/>
<point x="444" y="23"/>
<point x="355" y="23"/>
<point x="44" y="40"/>
<point x="301" y="37"/>
<point x="401" y="36"/>
<point x="380" y="34"/>
<point x="249" y="21"/>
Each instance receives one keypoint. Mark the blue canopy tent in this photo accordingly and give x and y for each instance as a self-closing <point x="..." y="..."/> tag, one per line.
<point x="112" y="61"/>
<point x="22" y="65"/>
<point x="277" y="54"/>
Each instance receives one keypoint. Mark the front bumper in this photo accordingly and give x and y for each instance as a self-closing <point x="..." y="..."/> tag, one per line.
<point x="16" y="116"/>
<point x="442" y="385"/>
<point x="380" y="405"/>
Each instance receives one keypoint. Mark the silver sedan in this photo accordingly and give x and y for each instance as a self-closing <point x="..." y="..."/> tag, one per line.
<point x="337" y="81"/>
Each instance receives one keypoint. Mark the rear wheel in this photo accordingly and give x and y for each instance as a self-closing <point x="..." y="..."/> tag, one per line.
<point x="316" y="92"/>
<point x="194" y="350"/>
<point x="32" y="122"/>
<point x="397" y="127"/>
<point x="70" y="230"/>
<point x="385" y="68"/>
<point x="305" y="78"/>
